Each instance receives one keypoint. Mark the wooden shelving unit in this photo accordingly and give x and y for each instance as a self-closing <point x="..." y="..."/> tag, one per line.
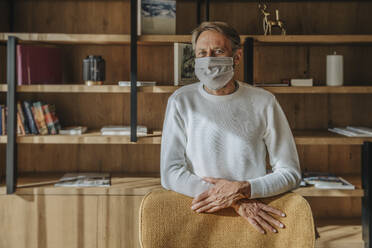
<point x="275" y="57"/>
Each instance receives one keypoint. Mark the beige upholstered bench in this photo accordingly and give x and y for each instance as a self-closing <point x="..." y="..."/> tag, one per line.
<point x="166" y="221"/>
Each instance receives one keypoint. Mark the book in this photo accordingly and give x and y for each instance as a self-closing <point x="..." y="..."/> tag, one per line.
<point x="52" y="109"/>
<point x="348" y="132"/>
<point x="30" y="117"/>
<point x="73" y="130"/>
<point x="156" y="17"/>
<point x="37" y="111"/>
<point x="85" y="179"/>
<point x="49" y="119"/>
<point x="22" y="117"/>
<point x="123" y="130"/>
<point x="39" y="64"/>
<point x="301" y="82"/>
<point x="20" y="127"/>
<point x="327" y="181"/>
<point x="1" y="119"/>
<point x="184" y="64"/>
<point x="139" y="83"/>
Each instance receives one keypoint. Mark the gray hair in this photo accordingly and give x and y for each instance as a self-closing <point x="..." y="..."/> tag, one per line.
<point x="221" y="27"/>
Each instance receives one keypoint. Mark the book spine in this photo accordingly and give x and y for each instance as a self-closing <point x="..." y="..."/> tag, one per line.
<point x="49" y="119"/>
<point x="39" y="118"/>
<point x="20" y="127"/>
<point x="23" y="119"/>
<point x="1" y="120"/>
<point x="52" y="110"/>
<point x="30" y="117"/>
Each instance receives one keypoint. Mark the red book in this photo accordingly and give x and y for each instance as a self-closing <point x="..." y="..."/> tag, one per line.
<point x="39" y="64"/>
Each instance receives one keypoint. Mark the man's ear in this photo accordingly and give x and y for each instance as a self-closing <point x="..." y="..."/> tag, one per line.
<point x="237" y="56"/>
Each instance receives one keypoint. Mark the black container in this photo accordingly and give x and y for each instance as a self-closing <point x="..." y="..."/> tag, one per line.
<point x="93" y="70"/>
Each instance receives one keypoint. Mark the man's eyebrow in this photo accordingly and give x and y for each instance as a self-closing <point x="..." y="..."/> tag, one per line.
<point x="214" y="48"/>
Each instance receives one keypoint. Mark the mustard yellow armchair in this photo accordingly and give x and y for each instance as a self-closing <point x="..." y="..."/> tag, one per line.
<point x="166" y="221"/>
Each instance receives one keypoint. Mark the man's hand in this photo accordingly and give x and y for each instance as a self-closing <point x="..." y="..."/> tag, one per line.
<point x="222" y="195"/>
<point x="257" y="214"/>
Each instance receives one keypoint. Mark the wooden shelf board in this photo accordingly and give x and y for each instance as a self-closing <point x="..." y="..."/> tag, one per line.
<point x="339" y="233"/>
<point x="319" y="89"/>
<point x="121" y="184"/>
<point x="93" y="137"/>
<point x="136" y="184"/>
<point x="81" y="88"/>
<point x="313" y="137"/>
<point x="125" y="38"/>
<point x="323" y="137"/>
<point x="325" y="39"/>
<point x="56" y="38"/>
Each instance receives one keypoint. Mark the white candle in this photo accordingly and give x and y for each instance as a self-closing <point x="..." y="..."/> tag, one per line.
<point x="335" y="72"/>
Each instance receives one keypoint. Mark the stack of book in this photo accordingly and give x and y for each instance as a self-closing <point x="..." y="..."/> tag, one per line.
<point x="32" y="118"/>
<point x="139" y="83"/>
<point x="325" y="181"/>
<point x="122" y="130"/>
<point x="74" y="130"/>
<point x="302" y="82"/>
<point x="352" y="131"/>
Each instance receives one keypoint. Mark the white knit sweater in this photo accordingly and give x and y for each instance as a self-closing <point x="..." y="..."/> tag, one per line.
<point x="205" y="135"/>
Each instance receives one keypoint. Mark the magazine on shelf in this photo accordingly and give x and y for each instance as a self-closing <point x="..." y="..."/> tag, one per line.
<point x="84" y="179"/>
<point x="271" y="84"/>
<point x="326" y="181"/>
<point x="123" y="130"/>
<point x="350" y="132"/>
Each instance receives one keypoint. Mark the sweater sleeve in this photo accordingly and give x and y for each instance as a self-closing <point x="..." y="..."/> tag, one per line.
<point x="283" y="155"/>
<point x="175" y="174"/>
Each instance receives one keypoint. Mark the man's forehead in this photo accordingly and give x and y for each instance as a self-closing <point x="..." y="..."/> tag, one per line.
<point x="212" y="39"/>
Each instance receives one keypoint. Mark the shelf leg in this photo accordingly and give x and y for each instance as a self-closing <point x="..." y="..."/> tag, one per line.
<point x="248" y="60"/>
<point x="11" y="147"/>
<point x="207" y="10"/>
<point x="366" y="200"/>
<point x="133" y="71"/>
<point x="198" y="12"/>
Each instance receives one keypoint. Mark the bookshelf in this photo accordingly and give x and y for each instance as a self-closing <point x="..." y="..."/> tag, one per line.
<point x="135" y="165"/>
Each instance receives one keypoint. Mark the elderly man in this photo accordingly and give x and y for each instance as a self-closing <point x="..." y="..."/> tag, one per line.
<point x="216" y="133"/>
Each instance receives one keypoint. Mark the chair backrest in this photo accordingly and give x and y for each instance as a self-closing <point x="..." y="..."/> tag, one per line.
<point x="166" y="221"/>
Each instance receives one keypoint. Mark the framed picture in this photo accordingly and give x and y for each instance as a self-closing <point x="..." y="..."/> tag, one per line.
<point x="184" y="64"/>
<point x="156" y="17"/>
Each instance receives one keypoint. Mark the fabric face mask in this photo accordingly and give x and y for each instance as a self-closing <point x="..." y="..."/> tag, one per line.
<point x="214" y="72"/>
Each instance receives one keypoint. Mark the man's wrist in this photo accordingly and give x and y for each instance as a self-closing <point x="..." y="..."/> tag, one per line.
<point x="245" y="189"/>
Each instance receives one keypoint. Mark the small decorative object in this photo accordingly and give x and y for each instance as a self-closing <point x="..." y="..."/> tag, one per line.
<point x="269" y="24"/>
<point x="335" y="72"/>
<point x="302" y="82"/>
<point x="93" y="70"/>
<point x="156" y="17"/>
<point x="184" y="64"/>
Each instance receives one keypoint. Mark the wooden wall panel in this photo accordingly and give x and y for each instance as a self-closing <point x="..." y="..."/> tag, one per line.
<point x="4" y="16"/>
<point x="43" y="221"/>
<point x="342" y="160"/>
<point x="91" y="17"/>
<point x="120" y="222"/>
<point x="335" y="207"/>
<point x="273" y="63"/>
<point x="316" y="17"/>
<point x="133" y="159"/>
<point x="2" y="63"/>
